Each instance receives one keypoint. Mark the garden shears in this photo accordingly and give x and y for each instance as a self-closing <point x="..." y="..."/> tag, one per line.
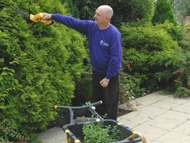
<point x="35" y="18"/>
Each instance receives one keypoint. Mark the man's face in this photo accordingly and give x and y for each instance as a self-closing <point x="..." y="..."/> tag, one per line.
<point x="99" y="17"/>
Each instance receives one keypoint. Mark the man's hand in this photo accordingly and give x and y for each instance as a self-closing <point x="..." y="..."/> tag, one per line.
<point x="46" y="16"/>
<point x="104" y="82"/>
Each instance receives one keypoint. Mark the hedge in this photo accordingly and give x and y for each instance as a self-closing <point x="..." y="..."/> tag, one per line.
<point x="39" y="64"/>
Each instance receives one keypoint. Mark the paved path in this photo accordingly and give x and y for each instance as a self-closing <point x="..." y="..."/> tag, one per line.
<point x="160" y="118"/>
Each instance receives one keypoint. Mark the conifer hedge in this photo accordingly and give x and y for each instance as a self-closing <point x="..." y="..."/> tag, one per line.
<point x="39" y="64"/>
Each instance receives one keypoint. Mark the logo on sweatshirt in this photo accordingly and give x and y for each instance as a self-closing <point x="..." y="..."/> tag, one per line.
<point x="104" y="43"/>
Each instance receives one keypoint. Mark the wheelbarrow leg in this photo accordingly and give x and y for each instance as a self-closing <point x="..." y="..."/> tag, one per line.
<point x="135" y="134"/>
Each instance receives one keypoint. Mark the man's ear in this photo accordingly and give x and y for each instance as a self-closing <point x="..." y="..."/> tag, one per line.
<point x="107" y="18"/>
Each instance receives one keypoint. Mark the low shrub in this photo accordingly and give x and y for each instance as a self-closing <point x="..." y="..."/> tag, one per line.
<point x="151" y="51"/>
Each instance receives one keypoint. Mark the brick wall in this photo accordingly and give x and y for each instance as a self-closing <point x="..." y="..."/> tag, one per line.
<point x="187" y="20"/>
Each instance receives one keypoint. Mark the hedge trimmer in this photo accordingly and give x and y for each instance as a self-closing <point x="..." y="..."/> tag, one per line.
<point x="35" y="18"/>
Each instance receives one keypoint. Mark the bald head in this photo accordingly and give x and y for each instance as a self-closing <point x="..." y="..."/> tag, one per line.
<point x="103" y="15"/>
<point x="107" y="10"/>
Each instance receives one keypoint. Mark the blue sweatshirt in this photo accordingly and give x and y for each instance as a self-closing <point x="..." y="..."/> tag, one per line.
<point x="105" y="46"/>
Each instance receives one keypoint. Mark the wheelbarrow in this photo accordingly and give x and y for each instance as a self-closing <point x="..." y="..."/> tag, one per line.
<point x="80" y="115"/>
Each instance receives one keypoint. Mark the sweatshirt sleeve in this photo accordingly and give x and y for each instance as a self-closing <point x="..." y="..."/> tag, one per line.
<point x="115" y="56"/>
<point x="76" y="24"/>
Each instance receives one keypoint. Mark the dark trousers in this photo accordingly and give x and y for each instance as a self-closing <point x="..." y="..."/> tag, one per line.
<point x="109" y="95"/>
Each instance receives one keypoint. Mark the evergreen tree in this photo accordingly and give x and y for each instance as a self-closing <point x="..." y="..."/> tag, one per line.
<point x="163" y="12"/>
<point x="73" y="8"/>
<point x="75" y="12"/>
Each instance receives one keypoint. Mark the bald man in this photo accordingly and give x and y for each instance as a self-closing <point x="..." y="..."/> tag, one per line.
<point x="105" y="49"/>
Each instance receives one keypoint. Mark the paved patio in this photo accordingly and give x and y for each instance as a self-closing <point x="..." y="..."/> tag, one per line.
<point x="160" y="118"/>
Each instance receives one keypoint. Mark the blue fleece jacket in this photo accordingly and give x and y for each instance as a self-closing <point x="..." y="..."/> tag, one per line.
<point x="105" y="46"/>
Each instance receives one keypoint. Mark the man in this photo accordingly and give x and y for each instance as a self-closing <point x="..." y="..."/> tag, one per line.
<point x="105" y="48"/>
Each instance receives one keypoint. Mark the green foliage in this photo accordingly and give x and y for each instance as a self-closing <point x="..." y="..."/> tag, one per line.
<point x="83" y="91"/>
<point x="39" y="64"/>
<point x="100" y="133"/>
<point x="187" y="26"/>
<point x="8" y="131"/>
<point x="177" y="32"/>
<point x="73" y="9"/>
<point x="152" y="52"/>
<point x="124" y="11"/>
<point x="86" y="7"/>
<point x="163" y="12"/>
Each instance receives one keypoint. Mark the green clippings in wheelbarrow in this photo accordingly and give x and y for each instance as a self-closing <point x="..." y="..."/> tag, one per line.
<point x="74" y="133"/>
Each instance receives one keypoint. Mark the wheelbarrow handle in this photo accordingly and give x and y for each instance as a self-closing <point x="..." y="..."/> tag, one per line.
<point x="77" y="107"/>
<point x="135" y="134"/>
<point x="71" y="109"/>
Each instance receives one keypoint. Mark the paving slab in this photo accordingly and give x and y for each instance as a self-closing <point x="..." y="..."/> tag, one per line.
<point x="164" y="105"/>
<point x="178" y="101"/>
<point x="173" y="137"/>
<point x="150" y="132"/>
<point x="163" y="123"/>
<point x="152" y="98"/>
<point x="133" y="119"/>
<point x="183" y="129"/>
<point x="53" y="135"/>
<point x="174" y="115"/>
<point x="184" y="108"/>
<point x="152" y="112"/>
